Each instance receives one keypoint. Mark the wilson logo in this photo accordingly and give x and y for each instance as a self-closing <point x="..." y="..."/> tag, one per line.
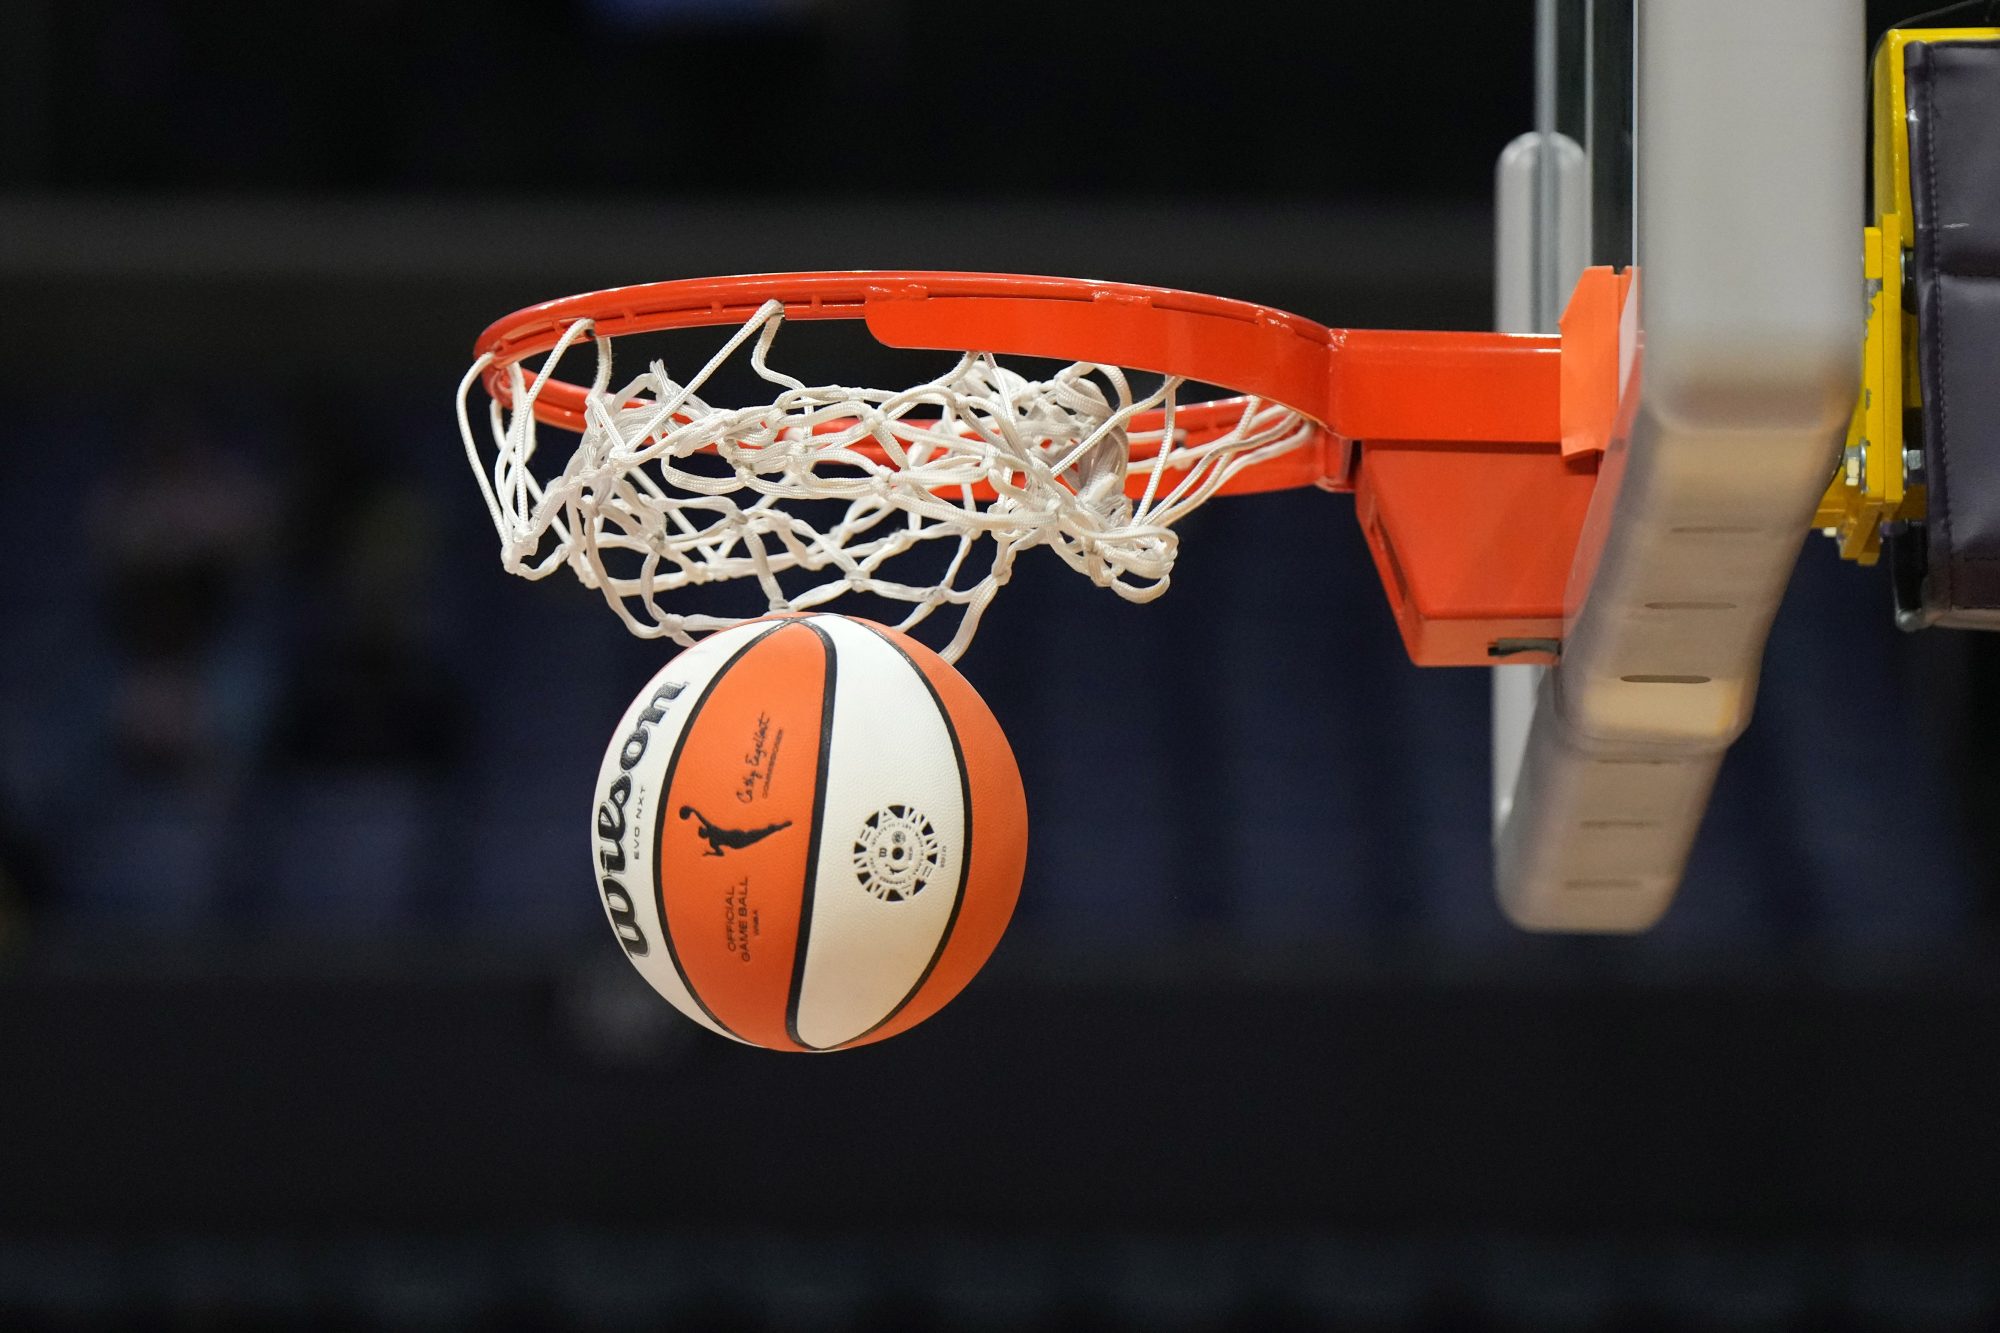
<point x="611" y="822"/>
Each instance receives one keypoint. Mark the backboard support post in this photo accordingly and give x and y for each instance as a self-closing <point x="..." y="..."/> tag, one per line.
<point x="1541" y="245"/>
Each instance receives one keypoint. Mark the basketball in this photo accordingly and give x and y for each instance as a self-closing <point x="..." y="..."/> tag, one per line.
<point x="809" y="832"/>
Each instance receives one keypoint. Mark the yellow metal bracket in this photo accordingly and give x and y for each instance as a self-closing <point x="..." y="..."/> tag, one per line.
<point x="1873" y="485"/>
<point x="1880" y="478"/>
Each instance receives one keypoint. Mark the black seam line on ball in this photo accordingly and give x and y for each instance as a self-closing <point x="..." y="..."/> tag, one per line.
<point x="813" y="840"/>
<point x="666" y="794"/>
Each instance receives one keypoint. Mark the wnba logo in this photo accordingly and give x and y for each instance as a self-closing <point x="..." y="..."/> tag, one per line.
<point x="720" y="839"/>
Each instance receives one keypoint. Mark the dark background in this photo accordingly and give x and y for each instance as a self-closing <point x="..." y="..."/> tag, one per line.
<point x="307" y="1010"/>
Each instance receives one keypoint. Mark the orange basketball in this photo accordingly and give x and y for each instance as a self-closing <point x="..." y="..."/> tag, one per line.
<point x="809" y="832"/>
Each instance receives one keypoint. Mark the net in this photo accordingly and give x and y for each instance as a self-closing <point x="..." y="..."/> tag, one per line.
<point x="923" y="496"/>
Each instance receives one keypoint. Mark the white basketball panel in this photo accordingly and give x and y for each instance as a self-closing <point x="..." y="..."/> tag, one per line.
<point x="891" y="772"/>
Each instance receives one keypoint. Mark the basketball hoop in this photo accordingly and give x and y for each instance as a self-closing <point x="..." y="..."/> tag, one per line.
<point x="825" y="491"/>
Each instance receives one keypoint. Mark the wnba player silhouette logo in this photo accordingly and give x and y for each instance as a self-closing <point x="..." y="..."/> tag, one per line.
<point x="720" y="839"/>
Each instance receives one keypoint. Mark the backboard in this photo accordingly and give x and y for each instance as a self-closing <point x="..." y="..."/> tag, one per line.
<point x="1715" y="145"/>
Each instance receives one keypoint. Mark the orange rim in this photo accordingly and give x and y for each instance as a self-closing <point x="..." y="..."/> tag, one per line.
<point x="1355" y="384"/>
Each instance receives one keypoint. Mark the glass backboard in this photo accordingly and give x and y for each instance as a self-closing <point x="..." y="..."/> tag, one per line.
<point x="1714" y="146"/>
<point x="1588" y="69"/>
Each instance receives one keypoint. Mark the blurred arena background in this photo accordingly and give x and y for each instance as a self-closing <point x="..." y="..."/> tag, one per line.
<point x="308" y="1014"/>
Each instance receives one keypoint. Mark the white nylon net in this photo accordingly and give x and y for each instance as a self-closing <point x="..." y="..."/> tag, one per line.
<point x="827" y="490"/>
